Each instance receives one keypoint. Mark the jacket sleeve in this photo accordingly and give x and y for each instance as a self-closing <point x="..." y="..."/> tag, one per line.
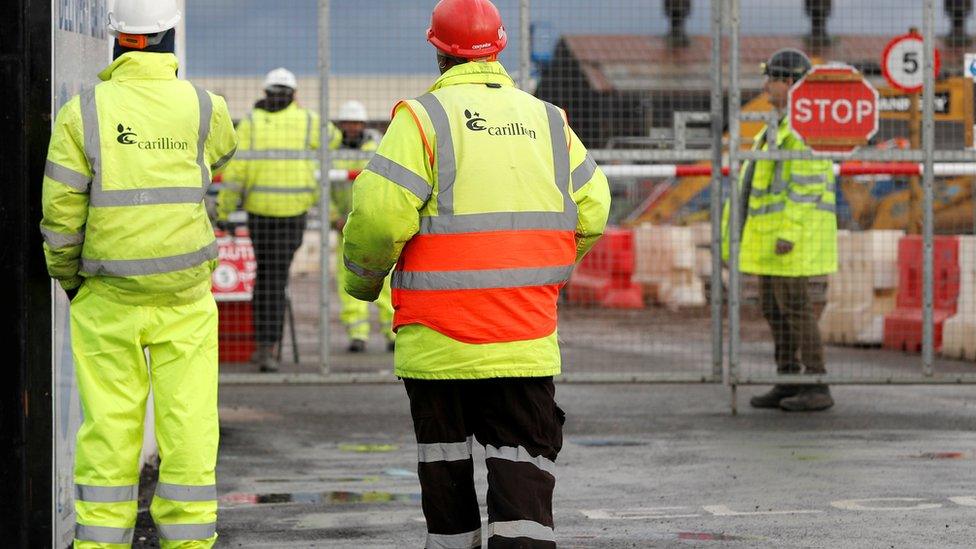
<point x="590" y="192"/>
<point x="67" y="179"/>
<point x="235" y="175"/>
<point x="386" y="201"/>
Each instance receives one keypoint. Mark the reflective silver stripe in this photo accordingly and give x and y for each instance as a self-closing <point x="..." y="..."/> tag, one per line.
<point x="446" y="163"/>
<point x="560" y="159"/>
<point x="308" y="130"/>
<point x="171" y="532"/>
<point x="832" y="208"/>
<point x="186" y="492"/>
<point x="148" y="196"/>
<point x="768" y="209"/>
<point x="482" y="279"/>
<point x="206" y="112"/>
<point x="250" y="120"/>
<point x="103" y="534"/>
<point x="779" y="184"/>
<point x="584" y="172"/>
<point x="808" y="179"/>
<point x="67" y="176"/>
<point x="136" y="267"/>
<point x="497" y="221"/>
<point x="93" y="145"/>
<point x="223" y="160"/>
<point x="276" y="154"/>
<point x="106" y="494"/>
<point x="361" y="271"/>
<point x="56" y="240"/>
<point x="521" y="455"/>
<point x="282" y="190"/>
<point x="521" y="529"/>
<point x="444" y="451"/>
<point x="805" y="198"/>
<point x="403" y="177"/>
<point x="467" y="540"/>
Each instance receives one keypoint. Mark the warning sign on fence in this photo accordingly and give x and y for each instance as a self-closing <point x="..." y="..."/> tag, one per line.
<point x="834" y="109"/>
<point x="233" y="279"/>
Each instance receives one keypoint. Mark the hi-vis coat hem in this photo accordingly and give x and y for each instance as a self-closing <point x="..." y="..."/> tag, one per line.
<point x="483" y="226"/>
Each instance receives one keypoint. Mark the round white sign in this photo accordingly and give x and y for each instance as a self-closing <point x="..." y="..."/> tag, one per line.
<point x="902" y="64"/>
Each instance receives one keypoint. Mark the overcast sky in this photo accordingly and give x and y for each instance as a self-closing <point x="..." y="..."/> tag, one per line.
<point x="247" y="37"/>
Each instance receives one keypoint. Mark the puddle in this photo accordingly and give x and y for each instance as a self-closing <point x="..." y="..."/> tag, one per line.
<point x="939" y="455"/>
<point x="316" y="498"/>
<point x="404" y="473"/>
<point x="368" y="448"/>
<point x="600" y="442"/>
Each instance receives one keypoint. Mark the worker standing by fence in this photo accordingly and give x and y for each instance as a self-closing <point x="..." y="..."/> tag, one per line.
<point x="350" y="133"/>
<point x="485" y="199"/>
<point x="274" y="176"/>
<point x="127" y="235"/>
<point x="789" y="234"/>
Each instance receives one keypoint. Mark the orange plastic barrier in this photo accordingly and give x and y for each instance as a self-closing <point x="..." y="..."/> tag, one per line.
<point x="605" y="276"/>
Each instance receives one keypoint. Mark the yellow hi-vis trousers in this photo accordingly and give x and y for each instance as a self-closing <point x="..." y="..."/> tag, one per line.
<point x="109" y="341"/>
<point x="354" y="314"/>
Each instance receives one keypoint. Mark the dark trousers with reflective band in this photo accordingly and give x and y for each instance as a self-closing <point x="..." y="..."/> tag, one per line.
<point x="787" y="308"/>
<point x="276" y="239"/>
<point x="518" y="422"/>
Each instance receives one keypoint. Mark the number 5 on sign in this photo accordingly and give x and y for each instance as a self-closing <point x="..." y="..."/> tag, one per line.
<point x="901" y="62"/>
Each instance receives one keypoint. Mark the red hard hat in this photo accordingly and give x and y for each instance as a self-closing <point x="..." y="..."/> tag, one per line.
<point x="469" y="29"/>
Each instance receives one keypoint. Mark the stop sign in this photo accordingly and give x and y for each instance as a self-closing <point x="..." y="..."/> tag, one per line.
<point x="834" y="109"/>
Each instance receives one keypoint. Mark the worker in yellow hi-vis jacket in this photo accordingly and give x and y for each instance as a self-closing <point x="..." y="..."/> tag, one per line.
<point x="127" y="236"/>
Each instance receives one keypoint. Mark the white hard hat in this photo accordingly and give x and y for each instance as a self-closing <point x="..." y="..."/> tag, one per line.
<point x="142" y="16"/>
<point x="352" y="111"/>
<point x="281" y="77"/>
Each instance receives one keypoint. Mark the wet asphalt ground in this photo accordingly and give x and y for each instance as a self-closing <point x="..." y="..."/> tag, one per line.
<point x="641" y="466"/>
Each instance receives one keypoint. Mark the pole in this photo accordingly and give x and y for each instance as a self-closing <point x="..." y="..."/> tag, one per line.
<point x="716" y="202"/>
<point x="928" y="144"/>
<point x="325" y="184"/>
<point x="734" y="198"/>
<point x="525" y="44"/>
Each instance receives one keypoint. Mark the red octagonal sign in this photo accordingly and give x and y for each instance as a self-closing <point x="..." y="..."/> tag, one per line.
<point x="834" y="109"/>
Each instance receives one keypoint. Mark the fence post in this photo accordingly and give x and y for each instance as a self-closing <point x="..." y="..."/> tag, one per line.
<point x="325" y="184"/>
<point x="525" y="44"/>
<point x="734" y="198"/>
<point x="716" y="202"/>
<point x="928" y="146"/>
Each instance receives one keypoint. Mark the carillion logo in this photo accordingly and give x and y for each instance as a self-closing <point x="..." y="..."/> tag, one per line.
<point x="128" y="137"/>
<point x="478" y="124"/>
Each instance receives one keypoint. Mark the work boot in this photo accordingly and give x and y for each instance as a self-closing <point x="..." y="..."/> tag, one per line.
<point x="264" y="358"/>
<point x="390" y="346"/>
<point x="811" y="399"/>
<point x="357" y="346"/>
<point x="772" y="398"/>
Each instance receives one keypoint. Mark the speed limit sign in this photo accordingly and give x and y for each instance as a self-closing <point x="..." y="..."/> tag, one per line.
<point x="901" y="62"/>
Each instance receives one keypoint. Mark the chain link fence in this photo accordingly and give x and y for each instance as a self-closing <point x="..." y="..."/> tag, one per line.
<point x="663" y="94"/>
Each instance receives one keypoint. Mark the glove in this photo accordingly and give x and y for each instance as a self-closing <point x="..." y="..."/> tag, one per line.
<point x="783" y="247"/>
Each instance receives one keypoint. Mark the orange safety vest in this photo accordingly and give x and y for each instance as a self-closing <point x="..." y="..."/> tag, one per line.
<point x="486" y="277"/>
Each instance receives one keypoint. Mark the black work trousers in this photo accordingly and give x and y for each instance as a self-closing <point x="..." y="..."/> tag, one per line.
<point x="518" y="422"/>
<point x="786" y="305"/>
<point x="275" y="241"/>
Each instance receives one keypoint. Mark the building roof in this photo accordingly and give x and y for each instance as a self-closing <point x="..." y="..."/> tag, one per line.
<point x="633" y="62"/>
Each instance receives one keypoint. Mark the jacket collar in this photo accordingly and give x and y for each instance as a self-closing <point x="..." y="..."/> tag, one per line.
<point x="475" y="72"/>
<point x="137" y="65"/>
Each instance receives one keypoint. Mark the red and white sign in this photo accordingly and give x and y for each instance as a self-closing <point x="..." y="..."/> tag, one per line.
<point x="901" y="62"/>
<point x="834" y="109"/>
<point x="233" y="279"/>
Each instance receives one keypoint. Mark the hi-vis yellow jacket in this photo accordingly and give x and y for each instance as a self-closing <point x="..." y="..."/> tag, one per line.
<point x="274" y="170"/>
<point x="792" y="200"/>
<point x="127" y="169"/>
<point x="485" y="199"/>
<point x="341" y="199"/>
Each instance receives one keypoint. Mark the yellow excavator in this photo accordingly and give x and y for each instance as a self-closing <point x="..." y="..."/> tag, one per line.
<point x="875" y="202"/>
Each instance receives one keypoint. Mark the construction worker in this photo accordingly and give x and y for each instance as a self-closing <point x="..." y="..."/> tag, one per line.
<point x="127" y="236"/>
<point x="789" y="234"/>
<point x="274" y="174"/>
<point x="485" y="199"/>
<point x="350" y="133"/>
